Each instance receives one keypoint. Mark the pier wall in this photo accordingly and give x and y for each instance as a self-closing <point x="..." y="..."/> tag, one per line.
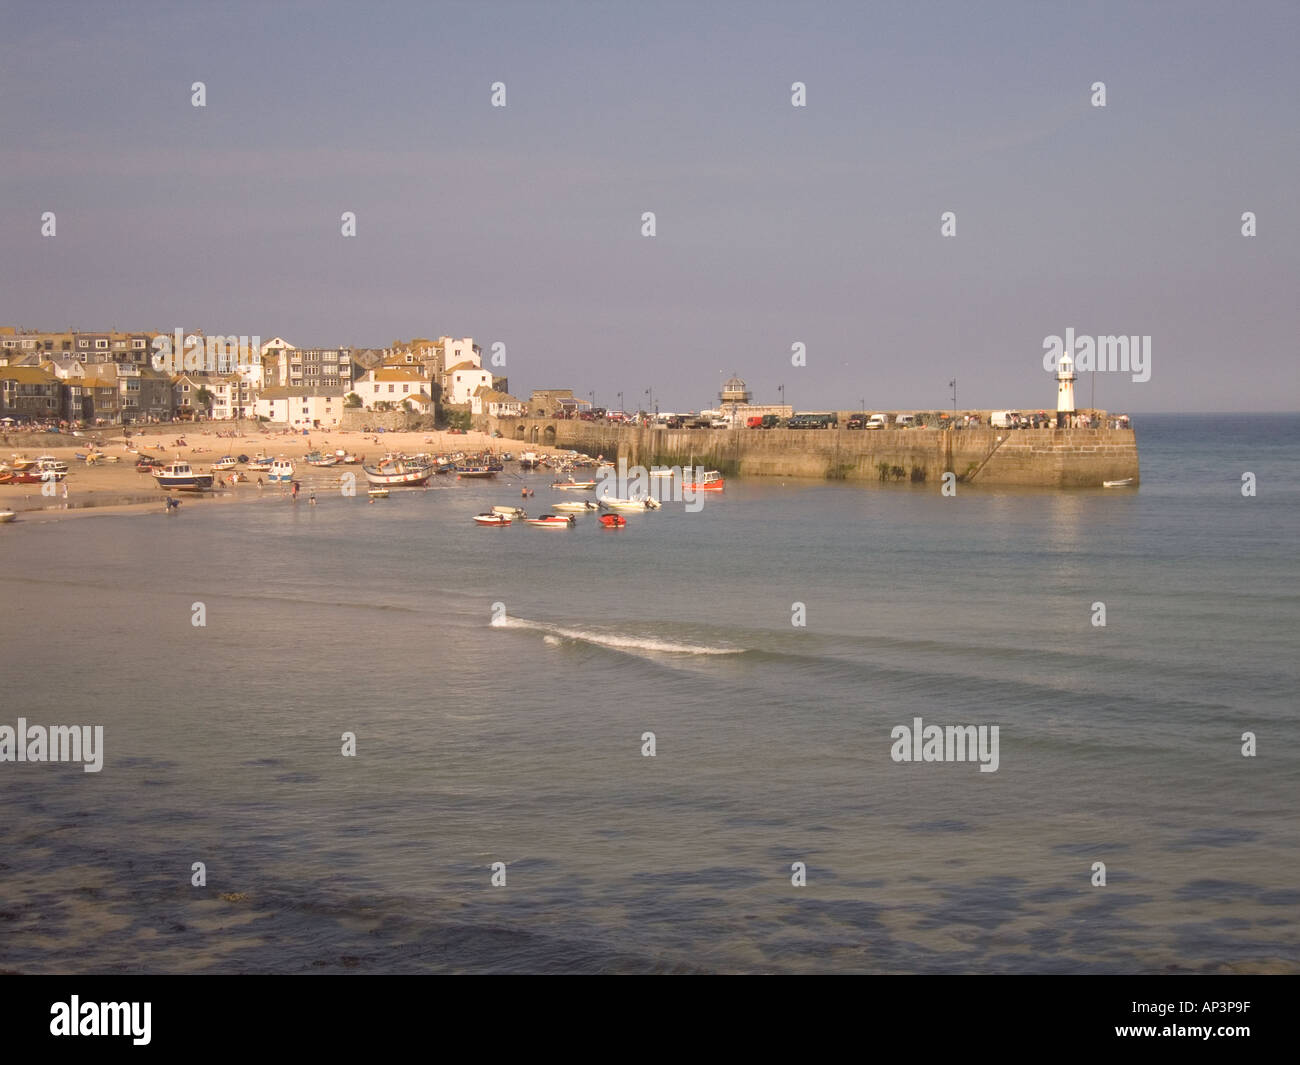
<point x="1049" y="458"/>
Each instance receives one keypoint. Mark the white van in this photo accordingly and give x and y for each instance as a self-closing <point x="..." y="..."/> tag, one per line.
<point x="905" y="421"/>
<point x="877" y="421"/>
<point x="1004" y="419"/>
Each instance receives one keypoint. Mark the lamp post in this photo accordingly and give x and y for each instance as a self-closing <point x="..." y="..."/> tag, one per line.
<point x="781" y="390"/>
<point x="953" y="385"/>
<point x="620" y="404"/>
<point x="650" y="400"/>
<point x="593" y="399"/>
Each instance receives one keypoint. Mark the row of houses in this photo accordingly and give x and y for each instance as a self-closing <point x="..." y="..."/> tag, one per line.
<point x="105" y="378"/>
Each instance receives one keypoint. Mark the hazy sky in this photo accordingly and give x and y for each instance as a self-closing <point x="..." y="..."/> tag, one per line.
<point x="776" y="224"/>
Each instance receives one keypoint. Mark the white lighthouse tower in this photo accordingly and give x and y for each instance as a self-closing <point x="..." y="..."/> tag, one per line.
<point x="1065" y="377"/>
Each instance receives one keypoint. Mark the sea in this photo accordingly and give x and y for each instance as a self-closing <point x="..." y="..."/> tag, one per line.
<point x="375" y="737"/>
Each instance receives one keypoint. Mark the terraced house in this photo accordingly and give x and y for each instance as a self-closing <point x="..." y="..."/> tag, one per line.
<point x="29" y="393"/>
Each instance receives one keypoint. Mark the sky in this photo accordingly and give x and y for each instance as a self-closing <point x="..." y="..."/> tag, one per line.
<point x="775" y="225"/>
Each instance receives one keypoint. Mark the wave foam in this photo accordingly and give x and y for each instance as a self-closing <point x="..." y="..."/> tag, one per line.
<point x="613" y="641"/>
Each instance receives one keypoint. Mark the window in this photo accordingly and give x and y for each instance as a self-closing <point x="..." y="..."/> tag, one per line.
<point x="390" y="388"/>
<point x="137" y="344"/>
<point x="406" y="388"/>
<point x="83" y="343"/>
<point x="100" y="345"/>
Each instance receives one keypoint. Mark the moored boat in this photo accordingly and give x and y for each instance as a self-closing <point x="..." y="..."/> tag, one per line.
<point x="575" y="486"/>
<point x="261" y="464"/>
<point x="492" y="519"/>
<point x="396" y="473"/>
<point x="1118" y="484"/>
<point x="529" y="460"/>
<point x="711" y="481"/>
<point x="475" y="471"/>
<point x="183" y="477"/>
<point x="510" y="512"/>
<point x="585" y="507"/>
<point x="553" y="521"/>
<point x="281" y="471"/>
<point x="315" y="458"/>
<point x="227" y="462"/>
<point x="611" y="503"/>
<point x="613" y="521"/>
<point x="7" y="516"/>
<point x="378" y="493"/>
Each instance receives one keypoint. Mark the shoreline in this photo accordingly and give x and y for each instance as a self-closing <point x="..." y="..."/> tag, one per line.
<point x="115" y="486"/>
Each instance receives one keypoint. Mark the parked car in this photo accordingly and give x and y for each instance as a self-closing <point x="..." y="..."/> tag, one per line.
<point x="856" y="421"/>
<point x="877" y="421"/>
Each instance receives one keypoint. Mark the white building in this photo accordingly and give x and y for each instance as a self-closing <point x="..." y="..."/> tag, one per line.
<point x="497" y="404"/>
<point x="275" y="362"/>
<point x="393" y="384"/>
<point x="461" y="381"/>
<point x="301" y="408"/>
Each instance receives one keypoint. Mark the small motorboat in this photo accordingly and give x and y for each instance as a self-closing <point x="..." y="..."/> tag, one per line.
<point x="510" y="512"/>
<point x="613" y="521"/>
<point x="281" y="471"/>
<point x="261" y="464"/>
<point x="183" y="477"/>
<point x="574" y="486"/>
<point x="585" y="507"/>
<point x="378" y="493"/>
<point x="553" y="521"/>
<point x="476" y="471"/>
<point x="610" y="503"/>
<point x="529" y="460"/>
<point x="492" y="519"/>
<point x="7" y="516"/>
<point x="227" y="463"/>
<point x="315" y="458"/>
<point x="1118" y="484"/>
<point x="712" y="481"/>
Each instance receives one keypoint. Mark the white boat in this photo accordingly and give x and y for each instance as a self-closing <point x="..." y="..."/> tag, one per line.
<point x="378" y="493"/>
<point x="529" y="460"/>
<point x="492" y="519"/>
<point x="553" y="521"/>
<point x="660" y="471"/>
<point x="49" y="462"/>
<point x="281" y="471"/>
<point x="585" y="507"/>
<point x="182" y="476"/>
<point x="575" y="486"/>
<point x="261" y="464"/>
<point x="228" y="462"/>
<point x="630" y="504"/>
<point x="396" y="473"/>
<point x="1118" y="484"/>
<point x="510" y="512"/>
<point x="7" y="516"/>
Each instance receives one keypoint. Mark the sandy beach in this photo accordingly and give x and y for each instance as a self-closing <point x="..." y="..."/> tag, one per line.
<point x="109" y="486"/>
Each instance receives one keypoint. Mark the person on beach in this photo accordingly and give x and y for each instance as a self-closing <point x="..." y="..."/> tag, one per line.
<point x="295" y="490"/>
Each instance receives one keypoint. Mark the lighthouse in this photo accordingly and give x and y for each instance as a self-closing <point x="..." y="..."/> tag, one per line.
<point x="1065" y="376"/>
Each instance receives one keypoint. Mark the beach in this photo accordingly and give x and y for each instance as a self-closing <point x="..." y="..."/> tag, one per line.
<point x="113" y="484"/>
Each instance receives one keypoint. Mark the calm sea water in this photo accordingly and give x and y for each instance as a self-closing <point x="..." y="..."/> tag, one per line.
<point x="521" y="742"/>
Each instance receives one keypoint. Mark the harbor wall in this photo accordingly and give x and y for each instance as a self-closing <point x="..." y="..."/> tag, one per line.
<point x="1048" y="458"/>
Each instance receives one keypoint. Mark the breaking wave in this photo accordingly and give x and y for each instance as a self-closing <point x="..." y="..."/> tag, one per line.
<point x="613" y="640"/>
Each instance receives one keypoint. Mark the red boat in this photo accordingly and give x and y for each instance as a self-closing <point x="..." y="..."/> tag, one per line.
<point x="613" y="521"/>
<point x="712" y="481"/>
